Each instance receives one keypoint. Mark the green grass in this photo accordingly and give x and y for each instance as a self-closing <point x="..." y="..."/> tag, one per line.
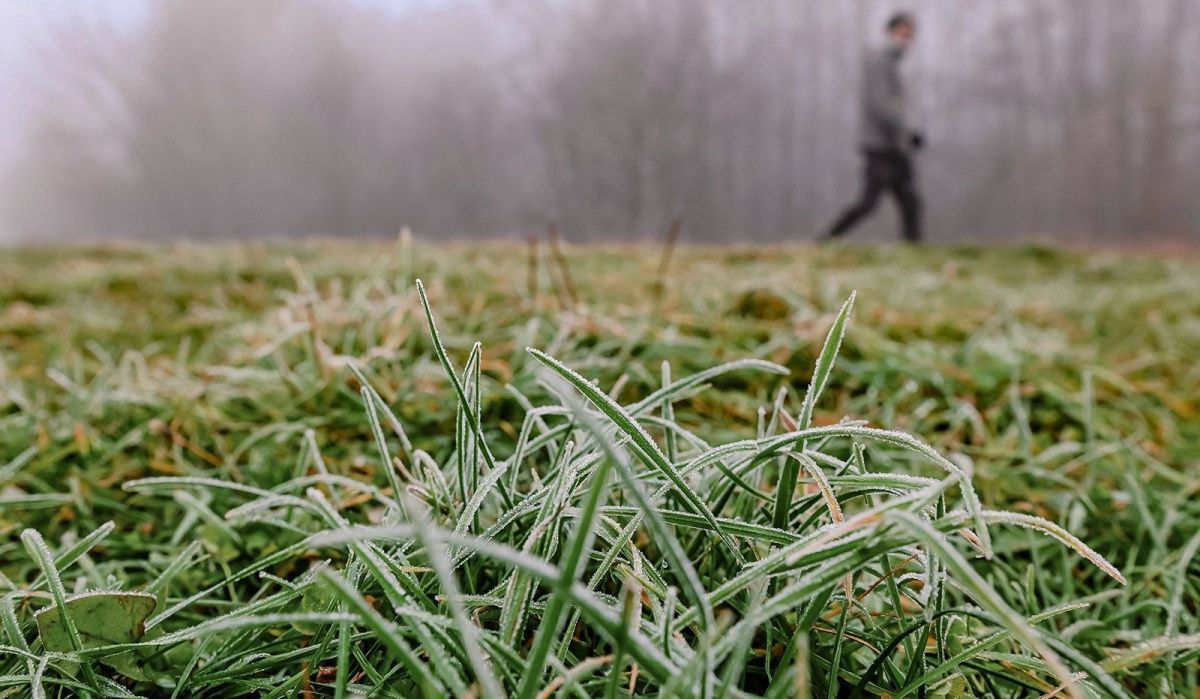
<point x="275" y="472"/>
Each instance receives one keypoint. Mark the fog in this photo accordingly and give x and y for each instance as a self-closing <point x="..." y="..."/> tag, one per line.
<point x="1073" y="120"/>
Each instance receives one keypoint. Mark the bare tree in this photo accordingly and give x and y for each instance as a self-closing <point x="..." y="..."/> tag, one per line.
<point x="307" y="117"/>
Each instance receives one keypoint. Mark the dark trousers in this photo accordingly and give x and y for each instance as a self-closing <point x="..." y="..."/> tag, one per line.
<point x="890" y="172"/>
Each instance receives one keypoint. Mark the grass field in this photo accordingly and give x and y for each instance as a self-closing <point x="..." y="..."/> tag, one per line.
<point x="247" y="471"/>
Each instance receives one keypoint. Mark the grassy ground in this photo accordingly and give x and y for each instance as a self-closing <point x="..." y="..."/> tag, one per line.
<point x="204" y="401"/>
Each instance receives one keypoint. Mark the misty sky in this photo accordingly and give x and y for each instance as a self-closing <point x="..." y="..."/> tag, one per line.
<point x="26" y="27"/>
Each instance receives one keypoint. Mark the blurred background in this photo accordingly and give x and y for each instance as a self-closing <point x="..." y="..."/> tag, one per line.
<point x="1071" y="120"/>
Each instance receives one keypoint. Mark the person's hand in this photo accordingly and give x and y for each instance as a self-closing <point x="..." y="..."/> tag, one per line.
<point x="917" y="140"/>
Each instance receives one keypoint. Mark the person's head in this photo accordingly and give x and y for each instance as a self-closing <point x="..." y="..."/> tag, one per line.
<point x="901" y="29"/>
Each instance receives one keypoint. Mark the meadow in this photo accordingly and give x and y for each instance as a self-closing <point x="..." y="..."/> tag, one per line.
<point x="292" y="470"/>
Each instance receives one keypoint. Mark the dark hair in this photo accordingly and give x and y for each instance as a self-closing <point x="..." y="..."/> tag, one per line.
<point x="900" y="19"/>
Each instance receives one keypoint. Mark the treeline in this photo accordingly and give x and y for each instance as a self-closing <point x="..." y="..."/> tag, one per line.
<point x="227" y="118"/>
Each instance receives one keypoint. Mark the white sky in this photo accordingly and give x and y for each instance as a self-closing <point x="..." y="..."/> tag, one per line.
<point x="27" y="24"/>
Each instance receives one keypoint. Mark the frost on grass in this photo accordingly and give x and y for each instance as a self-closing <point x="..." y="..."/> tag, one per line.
<point x="610" y="549"/>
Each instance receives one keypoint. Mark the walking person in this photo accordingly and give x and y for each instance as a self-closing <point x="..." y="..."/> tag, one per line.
<point x="886" y="141"/>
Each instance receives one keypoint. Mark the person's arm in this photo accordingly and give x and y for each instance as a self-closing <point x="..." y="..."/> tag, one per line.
<point x="885" y="105"/>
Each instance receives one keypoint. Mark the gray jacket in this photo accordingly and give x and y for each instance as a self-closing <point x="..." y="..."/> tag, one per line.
<point x="884" y="127"/>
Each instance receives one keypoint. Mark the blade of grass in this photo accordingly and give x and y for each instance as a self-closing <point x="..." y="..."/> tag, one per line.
<point x="647" y="449"/>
